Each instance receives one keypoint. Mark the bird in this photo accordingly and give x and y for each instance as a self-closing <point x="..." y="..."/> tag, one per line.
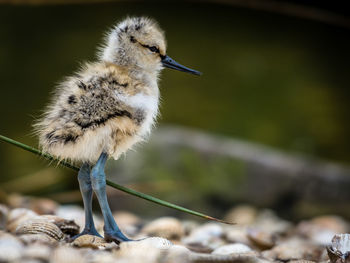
<point x="105" y="108"/>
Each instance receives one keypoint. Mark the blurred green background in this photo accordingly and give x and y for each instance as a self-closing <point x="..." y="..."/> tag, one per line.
<point x="269" y="78"/>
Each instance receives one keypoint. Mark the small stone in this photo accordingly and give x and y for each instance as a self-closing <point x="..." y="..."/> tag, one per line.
<point x="72" y="212"/>
<point x="189" y="226"/>
<point x="128" y="223"/>
<point x="205" y="238"/>
<point x="231" y="249"/>
<point x="249" y="257"/>
<point x="166" y="227"/>
<point x="294" y="249"/>
<point x="339" y="250"/>
<point x="301" y="261"/>
<point x="322" y="229"/>
<point x="11" y="248"/>
<point x="37" y="238"/>
<point x="66" y="254"/>
<point x="242" y="215"/>
<point x="270" y="223"/>
<point x="40" y="206"/>
<point x="237" y="234"/>
<point x="37" y="251"/>
<point x="126" y="218"/>
<point x="40" y="226"/>
<point x="44" y="206"/>
<point x="156" y="242"/>
<point x="17" y="216"/>
<point x="149" y="250"/>
<point x="175" y="254"/>
<point x="263" y="240"/>
<point x="94" y="242"/>
<point x="102" y="256"/>
<point x="68" y="227"/>
<point x="331" y="222"/>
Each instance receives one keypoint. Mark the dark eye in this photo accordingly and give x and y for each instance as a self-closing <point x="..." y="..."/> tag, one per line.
<point x="154" y="49"/>
<point x="132" y="39"/>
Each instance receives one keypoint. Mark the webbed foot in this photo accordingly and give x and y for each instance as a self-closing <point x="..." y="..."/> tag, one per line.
<point x="92" y="232"/>
<point x="116" y="236"/>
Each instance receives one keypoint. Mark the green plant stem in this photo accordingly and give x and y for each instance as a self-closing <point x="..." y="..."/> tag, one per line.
<point x="114" y="185"/>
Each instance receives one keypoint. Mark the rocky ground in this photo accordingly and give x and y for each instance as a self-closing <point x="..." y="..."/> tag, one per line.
<point x="39" y="230"/>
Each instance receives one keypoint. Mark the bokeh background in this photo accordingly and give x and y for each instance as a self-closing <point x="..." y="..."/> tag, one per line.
<point x="267" y="124"/>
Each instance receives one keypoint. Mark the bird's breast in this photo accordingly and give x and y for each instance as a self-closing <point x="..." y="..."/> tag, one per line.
<point x="144" y="104"/>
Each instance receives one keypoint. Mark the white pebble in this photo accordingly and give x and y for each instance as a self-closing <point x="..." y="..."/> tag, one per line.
<point x="231" y="249"/>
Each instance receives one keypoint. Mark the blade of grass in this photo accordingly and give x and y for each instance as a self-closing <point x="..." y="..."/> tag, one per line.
<point x="112" y="184"/>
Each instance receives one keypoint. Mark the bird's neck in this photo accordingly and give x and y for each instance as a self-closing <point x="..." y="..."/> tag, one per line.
<point x="148" y="77"/>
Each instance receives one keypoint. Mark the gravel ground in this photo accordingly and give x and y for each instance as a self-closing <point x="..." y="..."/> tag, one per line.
<point x="40" y="230"/>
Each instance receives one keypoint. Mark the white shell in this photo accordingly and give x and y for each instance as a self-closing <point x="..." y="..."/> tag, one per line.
<point x="40" y="226"/>
<point x="144" y="244"/>
<point x="37" y="251"/>
<point x="17" y="216"/>
<point x="66" y="254"/>
<point x="205" y="238"/>
<point x="72" y="212"/>
<point x="148" y="249"/>
<point x="242" y="215"/>
<point x="10" y="248"/>
<point x="166" y="227"/>
<point x="37" y="238"/>
<point x="260" y="238"/>
<point x="237" y="234"/>
<point x="295" y="249"/>
<point x="231" y="249"/>
<point x="176" y="254"/>
<point x="339" y="251"/>
<point x="94" y="242"/>
<point x="67" y="226"/>
<point x="322" y="229"/>
<point x="249" y="257"/>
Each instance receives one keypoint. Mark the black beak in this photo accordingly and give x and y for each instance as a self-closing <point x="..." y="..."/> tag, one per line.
<point x="170" y="63"/>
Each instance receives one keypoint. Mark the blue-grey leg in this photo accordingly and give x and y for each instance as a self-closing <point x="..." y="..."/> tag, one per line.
<point x="98" y="179"/>
<point x="86" y="192"/>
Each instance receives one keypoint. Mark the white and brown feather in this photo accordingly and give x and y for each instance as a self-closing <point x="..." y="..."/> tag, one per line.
<point x="100" y="109"/>
<point x="109" y="105"/>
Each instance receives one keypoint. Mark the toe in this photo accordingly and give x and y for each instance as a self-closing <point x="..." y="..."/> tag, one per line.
<point x="116" y="237"/>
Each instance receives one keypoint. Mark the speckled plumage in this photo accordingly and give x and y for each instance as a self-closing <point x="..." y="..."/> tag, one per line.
<point x="105" y="108"/>
<point x="111" y="104"/>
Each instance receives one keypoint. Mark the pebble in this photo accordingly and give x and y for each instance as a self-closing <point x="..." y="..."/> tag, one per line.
<point x="205" y="238"/>
<point x="231" y="249"/>
<point x="339" y="250"/>
<point x="10" y="248"/>
<point x="3" y="216"/>
<point x="17" y="216"/>
<point x="237" y="234"/>
<point x="93" y="242"/>
<point x="66" y="254"/>
<point x="41" y="233"/>
<point x="38" y="238"/>
<point x="262" y="239"/>
<point x="127" y="222"/>
<point x="295" y="248"/>
<point x="40" y="226"/>
<point x="322" y="229"/>
<point x="166" y="227"/>
<point x="242" y="215"/>
<point x="148" y="249"/>
<point x="37" y="251"/>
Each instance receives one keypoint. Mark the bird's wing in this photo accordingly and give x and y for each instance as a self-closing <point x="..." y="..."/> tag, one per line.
<point x="83" y="103"/>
